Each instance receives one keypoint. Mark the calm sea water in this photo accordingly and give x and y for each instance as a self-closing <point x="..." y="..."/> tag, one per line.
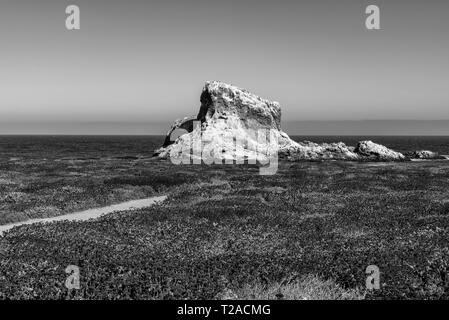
<point x="56" y="147"/>
<point x="77" y="147"/>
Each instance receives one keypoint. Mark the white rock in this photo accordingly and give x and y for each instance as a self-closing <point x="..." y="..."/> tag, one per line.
<point x="229" y="112"/>
<point x="376" y="151"/>
<point x="425" y="154"/>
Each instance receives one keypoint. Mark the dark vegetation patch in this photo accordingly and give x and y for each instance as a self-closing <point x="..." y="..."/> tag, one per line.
<point x="155" y="181"/>
<point x="69" y="186"/>
<point x="226" y="228"/>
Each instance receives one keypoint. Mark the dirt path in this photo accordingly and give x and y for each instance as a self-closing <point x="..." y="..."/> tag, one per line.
<point x="91" y="213"/>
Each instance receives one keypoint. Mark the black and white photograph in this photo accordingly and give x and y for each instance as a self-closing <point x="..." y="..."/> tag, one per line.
<point x="244" y="152"/>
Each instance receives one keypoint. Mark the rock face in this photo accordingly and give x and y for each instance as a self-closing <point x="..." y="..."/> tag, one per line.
<point x="223" y="101"/>
<point x="229" y="114"/>
<point x="375" y="151"/>
<point x="424" y="155"/>
<point x="313" y="151"/>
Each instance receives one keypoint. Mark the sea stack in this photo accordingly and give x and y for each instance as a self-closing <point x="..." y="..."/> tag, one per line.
<point x="228" y="113"/>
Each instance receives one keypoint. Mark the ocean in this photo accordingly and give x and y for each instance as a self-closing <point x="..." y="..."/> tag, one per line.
<point x="95" y="147"/>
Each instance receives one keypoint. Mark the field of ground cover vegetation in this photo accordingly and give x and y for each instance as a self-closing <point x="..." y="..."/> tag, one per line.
<point x="308" y="232"/>
<point x="50" y="176"/>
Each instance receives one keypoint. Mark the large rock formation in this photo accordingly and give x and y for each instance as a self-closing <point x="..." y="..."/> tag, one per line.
<point x="229" y="114"/>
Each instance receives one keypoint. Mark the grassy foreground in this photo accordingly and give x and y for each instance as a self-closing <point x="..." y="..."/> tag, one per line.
<point x="308" y="232"/>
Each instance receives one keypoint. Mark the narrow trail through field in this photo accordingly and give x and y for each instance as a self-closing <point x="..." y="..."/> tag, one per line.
<point x="90" y="213"/>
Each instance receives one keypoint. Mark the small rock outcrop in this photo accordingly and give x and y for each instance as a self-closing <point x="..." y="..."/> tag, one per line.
<point x="424" y="155"/>
<point x="371" y="150"/>
<point x="326" y="151"/>
<point x="228" y="113"/>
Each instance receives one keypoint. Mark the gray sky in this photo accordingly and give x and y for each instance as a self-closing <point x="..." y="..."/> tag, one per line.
<point x="148" y="60"/>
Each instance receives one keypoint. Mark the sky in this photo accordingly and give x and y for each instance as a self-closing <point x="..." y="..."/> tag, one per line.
<point x="146" y="61"/>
